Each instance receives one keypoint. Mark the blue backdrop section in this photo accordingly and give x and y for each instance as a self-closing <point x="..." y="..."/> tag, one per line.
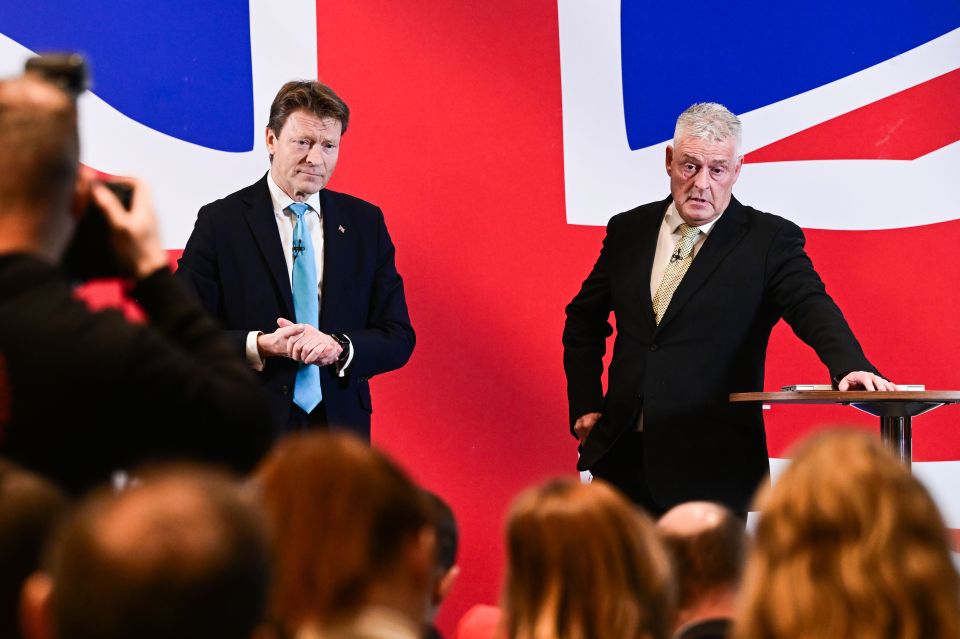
<point x="750" y="54"/>
<point x="179" y="66"/>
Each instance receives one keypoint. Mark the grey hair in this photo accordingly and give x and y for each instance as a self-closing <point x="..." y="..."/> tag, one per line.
<point x="708" y="121"/>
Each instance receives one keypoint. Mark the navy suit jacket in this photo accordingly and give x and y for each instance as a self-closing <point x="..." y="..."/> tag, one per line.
<point x="712" y="341"/>
<point x="234" y="262"/>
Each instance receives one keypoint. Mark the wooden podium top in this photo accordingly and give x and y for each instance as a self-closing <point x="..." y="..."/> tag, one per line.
<point x="894" y="408"/>
<point x="848" y="397"/>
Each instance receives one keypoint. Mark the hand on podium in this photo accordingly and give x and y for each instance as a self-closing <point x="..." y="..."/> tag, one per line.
<point x="866" y="381"/>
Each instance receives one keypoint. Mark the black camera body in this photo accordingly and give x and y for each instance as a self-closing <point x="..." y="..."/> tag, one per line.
<point x="90" y="255"/>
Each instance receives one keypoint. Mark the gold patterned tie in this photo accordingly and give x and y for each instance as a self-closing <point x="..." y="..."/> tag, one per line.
<point x="679" y="263"/>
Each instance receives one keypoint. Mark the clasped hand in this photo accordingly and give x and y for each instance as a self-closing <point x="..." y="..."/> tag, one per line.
<point x="300" y="342"/>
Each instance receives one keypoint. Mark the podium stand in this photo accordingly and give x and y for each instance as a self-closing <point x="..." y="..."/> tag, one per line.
<point x="894" y="408"/>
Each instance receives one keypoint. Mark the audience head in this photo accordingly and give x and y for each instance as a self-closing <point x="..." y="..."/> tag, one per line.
<point x="446" y="570"/>
<point x="30" y="508"/>
<point x="707" y="543"/>
<point x="39" y="164"/>
<point x="848" y="544"/>
<point x="350" y="530"/>
<point x="583" y="563"/>
<point x="180" y="554"/>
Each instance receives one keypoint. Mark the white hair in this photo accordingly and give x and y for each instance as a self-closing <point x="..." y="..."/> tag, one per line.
<point x="709" y="121"/>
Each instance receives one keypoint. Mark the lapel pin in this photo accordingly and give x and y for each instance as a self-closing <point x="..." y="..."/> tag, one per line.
<point x="341" y="229"/>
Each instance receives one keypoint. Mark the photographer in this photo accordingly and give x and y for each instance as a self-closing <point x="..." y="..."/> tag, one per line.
<point x="83" y="393"/>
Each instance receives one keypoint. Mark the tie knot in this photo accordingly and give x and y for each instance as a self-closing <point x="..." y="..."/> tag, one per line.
<point x="299" y="208"/>
<point x="688" y="231"/>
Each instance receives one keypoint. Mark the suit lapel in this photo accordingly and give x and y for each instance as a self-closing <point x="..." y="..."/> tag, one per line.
<point x="336" y="239"/>
<point x="725" y="235"/>
<point x="263" y="225"/>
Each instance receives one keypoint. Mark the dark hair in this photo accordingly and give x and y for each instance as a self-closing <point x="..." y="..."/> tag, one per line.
<point x="307" y="95"/>
<point x="30" y="508"/>
<point x="181" y="554"/>
<point x="445" y="525"/>
<point x="708" y="559"/>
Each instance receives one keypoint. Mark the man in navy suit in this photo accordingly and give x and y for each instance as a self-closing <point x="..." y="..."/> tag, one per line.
<point x="696" y="282"/>
<point x="241" y="260"/>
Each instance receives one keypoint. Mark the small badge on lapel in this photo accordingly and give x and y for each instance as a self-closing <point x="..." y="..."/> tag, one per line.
<point x="341" y="229"/>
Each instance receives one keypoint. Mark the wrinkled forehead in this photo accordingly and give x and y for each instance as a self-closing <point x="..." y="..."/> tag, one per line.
<point x="303" y="122"/>
<point x="706" y="148"/>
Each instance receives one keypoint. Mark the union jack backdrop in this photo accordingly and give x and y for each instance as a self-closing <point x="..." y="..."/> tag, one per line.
<point x="499" y="137"/>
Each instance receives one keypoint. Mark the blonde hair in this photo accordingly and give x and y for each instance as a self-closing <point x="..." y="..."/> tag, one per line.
<point x="583" y="563"/>
<point x="849" y="544"/>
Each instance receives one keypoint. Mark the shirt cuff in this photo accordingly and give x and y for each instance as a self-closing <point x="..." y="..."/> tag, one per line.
<point x="342" y="368"/>
<point x="253" y="353"/>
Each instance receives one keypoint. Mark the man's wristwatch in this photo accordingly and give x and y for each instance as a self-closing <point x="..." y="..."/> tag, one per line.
<point x="344" y="344"/>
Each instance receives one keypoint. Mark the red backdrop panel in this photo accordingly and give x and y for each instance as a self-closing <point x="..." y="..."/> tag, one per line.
<point x="456" y="132"/>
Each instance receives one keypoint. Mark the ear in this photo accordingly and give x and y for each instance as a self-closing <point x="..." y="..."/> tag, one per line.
<point x="445" y="584"/>
<point x="422" y="553"/>
<point x="271" y="139"/>
<point x="736" y="171"/>
<point x="36" y="619"/>
<point x="669" y="159"/>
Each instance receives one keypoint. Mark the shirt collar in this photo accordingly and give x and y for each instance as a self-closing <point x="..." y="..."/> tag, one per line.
<point x="673" y="220"/>
<point x="281" y="200"/>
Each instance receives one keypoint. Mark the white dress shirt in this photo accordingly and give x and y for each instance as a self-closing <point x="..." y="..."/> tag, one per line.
<point x="286" y="221"/>
<point x="667" y="244"/>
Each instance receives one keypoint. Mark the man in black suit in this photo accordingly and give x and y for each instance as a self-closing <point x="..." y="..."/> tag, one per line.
<point x="696" y="282"/>
<point x="85" y="393"/>
<point x="242" y="261"/>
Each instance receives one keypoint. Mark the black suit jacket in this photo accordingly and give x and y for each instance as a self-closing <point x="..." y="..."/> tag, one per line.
<point x="751" y="271"/>
<point x="234" y="261"/>
<point x="83" y="394"/>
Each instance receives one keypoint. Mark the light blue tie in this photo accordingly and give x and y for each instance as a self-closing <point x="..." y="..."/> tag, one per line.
<point x="306" y="390"/>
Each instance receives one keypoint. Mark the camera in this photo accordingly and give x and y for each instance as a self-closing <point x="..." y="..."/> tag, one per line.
<point x="89" y="254"/>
